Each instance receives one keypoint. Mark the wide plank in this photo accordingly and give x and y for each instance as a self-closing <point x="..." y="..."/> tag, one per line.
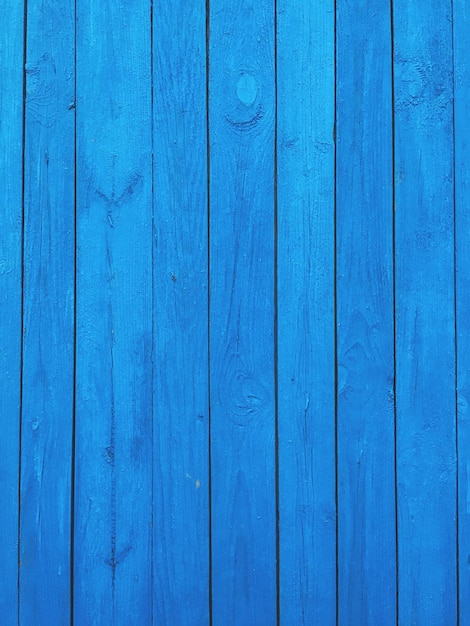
<point x="113" y="487"/>
<point x="11" y="192"/>
<point x="180" y="275"/>
<point x="305" y="300"/>
<point x="461" y="25"/>
<point x="365" y="329"/>
<point x="242" y="374"/>
<point x="425" y="346"/>
<point x="48" y="349"/>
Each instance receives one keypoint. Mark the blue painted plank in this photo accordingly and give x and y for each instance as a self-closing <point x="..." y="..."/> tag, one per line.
<point x="47" y="402"/>
<point x="461" y="25"/>
<point x="241" y="121"/>
<point x="306" y="331"/>
<point x="181" y="467"/>
<point x="425" y="350"/>
<point x="113" y="489"/>
<point x="11" y="133"/>
<point x="365" y="335"/>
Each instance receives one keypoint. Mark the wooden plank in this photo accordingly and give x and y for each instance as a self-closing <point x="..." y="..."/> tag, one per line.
<point x="113" y="490"/>
<point x="425" y="351"/>
<point x="47" y="401"/>
<point x="11" y="133"/>
<point x="461" y="25"/>
<point x="306" y="366"/>
<point x="241" y="121"/>
<point x="181" y="468"/>
<point x="365" y="338"/>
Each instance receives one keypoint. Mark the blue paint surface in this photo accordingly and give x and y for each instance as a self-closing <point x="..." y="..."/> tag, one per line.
<point x="425" y="315"/>
<point x="242" y="368"/>
<point x="180" y="312"/>
<point x="114" y="422"/>
<point x="461" y="16"/>
<point x="48" y="316"/>
<point x="364" y="304"/>
<point x="305" y="306"/>
<point x="234" y="313"/>
<point x="11" y="132"/>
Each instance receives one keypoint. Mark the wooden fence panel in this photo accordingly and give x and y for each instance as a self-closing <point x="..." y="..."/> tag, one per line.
<point x="234" y="312"/>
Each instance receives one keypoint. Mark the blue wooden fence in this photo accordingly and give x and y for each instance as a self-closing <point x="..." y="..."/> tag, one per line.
<point x="234" y="338"/>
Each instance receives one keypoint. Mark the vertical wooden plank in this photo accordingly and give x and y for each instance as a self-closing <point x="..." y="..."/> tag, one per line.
<point x="11" y="133"/>
<point x="461" y="25"/>
<point x="47" y="402"/>
<point x="113" y="491"/>
<point x="242" y="112"/>
<point x="365" y="335"/>
<point x="425" y="350"/>
<point x="181" y="477"/>
<point x="306" y="376"/>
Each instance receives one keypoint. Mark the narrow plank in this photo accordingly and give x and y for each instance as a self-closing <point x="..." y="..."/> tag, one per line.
<point x="365" y="335"/>
<point x="181" y="477"/>
<point x="11" y="133"/>
<point x="241" y="121"/>
<point x="113" y="490"/>
<point x="47" y="402"/>
<point x="425" y="351"/>
<point x="306" y="341"/>
<point x="461" y="25"/>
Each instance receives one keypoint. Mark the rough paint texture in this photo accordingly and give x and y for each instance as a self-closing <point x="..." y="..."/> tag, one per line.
<point x="48" y="316"/>
<point x="364" y="289"/>
<point x="113" y="487"/>
<point x="234" y="313"/>
<point x="11" y="137"/>
<point x="425" y="348"/>
<point x="242" y="313"/>
<point x="180" y="285"/>
<point x="305" y="299"/>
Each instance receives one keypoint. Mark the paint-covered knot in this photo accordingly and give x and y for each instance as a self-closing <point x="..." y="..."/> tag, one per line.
<point x="247" y="89"/>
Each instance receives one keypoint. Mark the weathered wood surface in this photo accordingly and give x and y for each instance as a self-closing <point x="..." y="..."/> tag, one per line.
<point x="425" y="316"/>
<point x="114" y="421"/>
<point x="48" y="315"/>
<point x="234" y="313"/>
<point x="305" y="311"/>
<point x="365" y="313"/>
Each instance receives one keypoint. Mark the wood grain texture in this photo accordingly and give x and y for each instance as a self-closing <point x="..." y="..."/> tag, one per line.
<point x="113" y="491"/>
<point x="47" y="402"/>
<point x="11" y="138"/>
<point x="366" y="473"/>
<point x="461" y="25"/>
<point x="181" y="426"/>
<point x="425" y="350"/>
<point x="241" y="120"/>
<point x="306" y="378"/>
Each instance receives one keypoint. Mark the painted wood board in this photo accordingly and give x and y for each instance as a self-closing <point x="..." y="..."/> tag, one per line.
<point x="113" y="487"/>
<point x="365" y="331"/>
<point x="11" y="191"/>
<point x="180" y="285"/>
<point x="48" y="322"/>
<point x="305" y="300"/>
<point x="425" y="349"/>
<point x="242" y="374"/>
<point x="461" y="24"/>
